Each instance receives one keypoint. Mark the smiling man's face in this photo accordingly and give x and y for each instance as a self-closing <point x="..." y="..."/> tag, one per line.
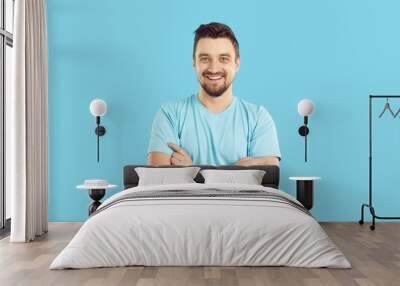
<point x="216" y="64"/>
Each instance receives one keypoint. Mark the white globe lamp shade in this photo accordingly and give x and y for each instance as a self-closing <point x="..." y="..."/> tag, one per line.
<point x="305" y="107"/>
<point x="98" y="107"/>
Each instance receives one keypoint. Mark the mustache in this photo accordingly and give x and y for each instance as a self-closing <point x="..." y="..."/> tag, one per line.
<point x="214" y="74"/>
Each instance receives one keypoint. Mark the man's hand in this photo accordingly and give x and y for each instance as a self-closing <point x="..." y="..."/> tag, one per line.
<point x="267" y="160"/>
<point x="179" y="157"/>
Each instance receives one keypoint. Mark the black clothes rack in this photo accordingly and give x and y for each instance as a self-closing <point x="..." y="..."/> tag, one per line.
<point x="370" y="205"/>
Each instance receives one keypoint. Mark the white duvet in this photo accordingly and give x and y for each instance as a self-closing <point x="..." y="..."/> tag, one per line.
<point x="200" y="231"/>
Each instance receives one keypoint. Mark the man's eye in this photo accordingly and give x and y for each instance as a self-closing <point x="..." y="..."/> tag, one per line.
<point x="204" y="60"/>
<point x="225" y="60"/>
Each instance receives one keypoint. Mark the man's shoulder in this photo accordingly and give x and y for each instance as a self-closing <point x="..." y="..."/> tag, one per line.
<point x="252" y="108"/>
<point x="176" y="105"/>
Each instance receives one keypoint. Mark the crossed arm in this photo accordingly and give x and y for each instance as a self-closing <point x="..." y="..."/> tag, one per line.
<point x="181" y="158"/>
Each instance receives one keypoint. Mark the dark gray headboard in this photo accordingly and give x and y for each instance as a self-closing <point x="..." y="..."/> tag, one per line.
<point x="271" y="177"/>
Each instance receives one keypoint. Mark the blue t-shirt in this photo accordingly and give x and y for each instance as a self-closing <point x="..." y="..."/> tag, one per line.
<point x="243" y="129"/>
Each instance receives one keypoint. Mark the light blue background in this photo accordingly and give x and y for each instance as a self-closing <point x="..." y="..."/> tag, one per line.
<point x="137" y="54"/>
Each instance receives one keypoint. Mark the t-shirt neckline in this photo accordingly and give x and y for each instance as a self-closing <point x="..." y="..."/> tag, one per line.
<point x="196" y="95"/>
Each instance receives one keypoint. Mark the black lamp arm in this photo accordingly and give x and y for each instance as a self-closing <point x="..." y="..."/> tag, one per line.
<point x="303" y="131"/>
<point x="100" y="131"/>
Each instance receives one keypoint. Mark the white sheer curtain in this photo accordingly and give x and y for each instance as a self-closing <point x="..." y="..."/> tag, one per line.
<point x="27" y="124"/>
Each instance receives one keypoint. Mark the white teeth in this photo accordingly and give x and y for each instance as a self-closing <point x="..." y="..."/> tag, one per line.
<point x="214" y="77"/>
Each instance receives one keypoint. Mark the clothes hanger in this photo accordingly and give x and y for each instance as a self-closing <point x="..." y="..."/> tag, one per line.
<point x="397" y="113"/>
<point x="387" y="107"/>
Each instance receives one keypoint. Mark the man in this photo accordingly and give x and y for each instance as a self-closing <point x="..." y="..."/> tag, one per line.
<point x="214" y="127"/>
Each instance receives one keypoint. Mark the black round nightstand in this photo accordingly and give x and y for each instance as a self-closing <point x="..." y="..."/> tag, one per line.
<point x="96" y="195"/>
<point x="305" y="190"/>
<point x="97" y="190"/>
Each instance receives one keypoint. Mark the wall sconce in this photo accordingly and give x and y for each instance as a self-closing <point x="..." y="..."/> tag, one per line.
<point x="305" y="107"/>
<point x="98" y="108"/>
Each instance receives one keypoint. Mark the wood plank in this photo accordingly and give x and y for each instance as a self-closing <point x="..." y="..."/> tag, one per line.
<point x="374" y="255"/>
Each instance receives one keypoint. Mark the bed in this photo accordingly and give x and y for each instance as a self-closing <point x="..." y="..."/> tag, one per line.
<point x="199" y="224"/>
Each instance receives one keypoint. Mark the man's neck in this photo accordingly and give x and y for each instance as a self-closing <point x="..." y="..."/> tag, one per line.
<point x="216" y="104"/>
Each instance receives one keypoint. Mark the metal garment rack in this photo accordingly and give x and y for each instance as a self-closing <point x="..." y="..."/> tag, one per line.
<point x="370" y="205"/>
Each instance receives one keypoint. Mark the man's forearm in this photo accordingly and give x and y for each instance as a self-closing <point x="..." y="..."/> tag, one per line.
<point x="267" y="160"/>
<point x="179" y="157"/>
<point x="158" y="158"/>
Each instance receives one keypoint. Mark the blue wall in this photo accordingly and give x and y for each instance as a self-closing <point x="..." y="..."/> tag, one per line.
<point x="137" y="54"/>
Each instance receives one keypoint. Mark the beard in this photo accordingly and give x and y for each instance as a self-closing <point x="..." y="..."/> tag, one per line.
<point x="215" y="90"/>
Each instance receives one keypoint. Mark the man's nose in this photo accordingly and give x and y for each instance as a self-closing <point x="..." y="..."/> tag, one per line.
<point x="214" y="67"/>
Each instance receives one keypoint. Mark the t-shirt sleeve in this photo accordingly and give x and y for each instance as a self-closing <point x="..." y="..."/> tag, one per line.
<point x="163" y="130"/>
<point x="264" y="140"/>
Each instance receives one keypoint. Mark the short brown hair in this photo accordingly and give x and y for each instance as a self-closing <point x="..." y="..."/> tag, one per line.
<point x="215" y="30"/>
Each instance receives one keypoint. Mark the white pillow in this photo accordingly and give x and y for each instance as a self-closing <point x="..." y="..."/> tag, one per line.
<point x="163" y="176"/>
<point x="249" y="177"/>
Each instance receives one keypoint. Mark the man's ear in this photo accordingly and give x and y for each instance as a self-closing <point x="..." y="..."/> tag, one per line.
<point x="194" y="63"/>
<point x="237" y="64"/>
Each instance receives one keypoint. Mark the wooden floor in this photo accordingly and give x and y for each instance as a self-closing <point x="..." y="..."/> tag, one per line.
<point x="374" y="255"/>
